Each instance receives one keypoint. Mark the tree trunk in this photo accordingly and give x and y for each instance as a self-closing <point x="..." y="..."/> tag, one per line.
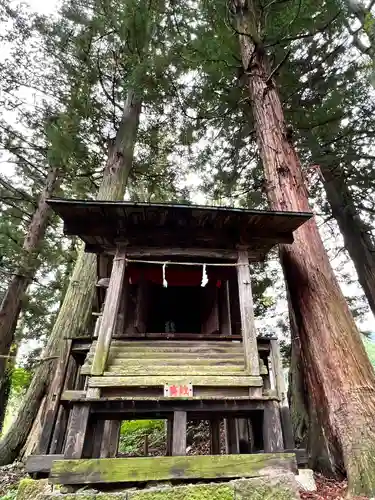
<point x="357" y="242"/>
<point x="339" y="378"/>
<point x="11" y="304"/>
<point x="76" y="308"/>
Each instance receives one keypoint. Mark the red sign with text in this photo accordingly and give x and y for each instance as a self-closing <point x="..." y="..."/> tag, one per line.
<point x="178" y="390"/>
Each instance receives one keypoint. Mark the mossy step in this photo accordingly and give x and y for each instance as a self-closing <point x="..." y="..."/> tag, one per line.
<point x="201" y="381"/>
<point x="122" y="470"/>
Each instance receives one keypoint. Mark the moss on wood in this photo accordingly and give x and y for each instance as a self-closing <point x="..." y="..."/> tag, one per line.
<point x="166" y="468"/>
<point x="159" y="380"/>
<point x="190" y="492"/>
<point x="30" y="489"/>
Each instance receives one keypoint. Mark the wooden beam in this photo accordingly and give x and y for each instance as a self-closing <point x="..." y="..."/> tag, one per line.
<point x="286" y="420"/>
<point x="136" y="381"/>
<point x="225" y="316"/>
<point x="247" y="313"/>
<point x="53" y="398"/>
<point x="111" y="436"/>
<point x="179" y="433"/>
<point x="144" y="469"/>
<point x="111" y="307"/>
<point x="77" y="431"/>
<point x="244" y="441"/>
<point x="208" y="253"/>
<point x="215" y="436"/>
<point x="272" y="432"/>
<point x="169" y="437"/>
<point x="231" y="436"/>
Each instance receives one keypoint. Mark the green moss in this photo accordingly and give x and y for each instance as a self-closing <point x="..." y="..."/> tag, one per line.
<point x="361" y="471"/>
<point x="30" y="489"/>
<point x="166" y="468"/>
<point x="192" y="492"/>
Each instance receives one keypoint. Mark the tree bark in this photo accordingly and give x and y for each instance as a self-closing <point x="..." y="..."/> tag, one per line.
<point x="11" y="304"/>
<point x="75" y="311"/>
<point x="339" y="378"/>
<point x="357" y="242"/>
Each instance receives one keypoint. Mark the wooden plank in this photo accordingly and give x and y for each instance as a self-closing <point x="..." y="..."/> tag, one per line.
<point x="179" y="433"/>
<point x="111" y="436"/>
<point x="286" y="420"/>
<point x="272" y="433"/>
<point x="188" y="344"/>
<point x="215" y="436"/>
<point x="114" y="371"/>
<point x="144" y="253"/>
<point x="247" y="313"/>
<point x="162" y="356"/>
<point x="244" y="442"/>
<point x="41" y="463"/>
<point x="210" y="323"/>
<point x="231" y="436"/>
<point x="53" y="399"/>
<point x="110" y="381"/>
<point x="121" y="470"/>
<point x="111" y="307"/>
<point x="225" y="316"/>
<point x="77" y="431"/>
<point x="121" y="317"/>
<point x="141" y="310"/>
<point x="176" y="361"/>
<point x="169" y="433"/>
<point x="170" y="336"/>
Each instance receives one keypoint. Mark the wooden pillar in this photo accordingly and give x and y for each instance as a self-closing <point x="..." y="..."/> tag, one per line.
<point x="247" y="314"/>
<point x="210" y="299"/>
<point x="179" y="433"/>
<point x="215" y="436"/>
<point x="272" y="432"/>
<point x="141" y="310"/>
<point x="225" y="316"/>
<point x="286" y="420"/>
<point x="53" y="398"/>
<point x="111" y="436"/>
<point x="169" y="437"/>
<point x="231" y="436"/>
<point x="77" y="431"/>
<point x="111" y="308"/>
<point x="244" y="441"/>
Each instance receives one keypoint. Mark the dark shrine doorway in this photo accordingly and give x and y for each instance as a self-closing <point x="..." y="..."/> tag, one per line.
<point x="175" y="309"/>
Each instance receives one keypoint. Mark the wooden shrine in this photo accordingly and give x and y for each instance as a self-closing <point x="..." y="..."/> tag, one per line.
<point x="172" y="336"/>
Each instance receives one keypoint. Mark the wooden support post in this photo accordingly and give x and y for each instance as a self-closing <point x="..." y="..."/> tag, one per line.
<point x="210" y="323"/>
<point x="141" y="309"/>
<point x="58" y="436"/>
<point x="111" y="436"/>
<point x="231" y="436"/>
<point x="169" y="437"/>
<point x="286" y="420"/>
<point x="77" y="431"/>
<point x="120" y="325"/>
<point x="247" y="314"/>
<point x="272" y="433"/>
<point x="179" y="433"/>
<point x="111" y="307"/>
<point x="244" y="442"/>
<point x="53" y="399"/>
<point x="225" y="316"/>
<point x="215" y="436"/>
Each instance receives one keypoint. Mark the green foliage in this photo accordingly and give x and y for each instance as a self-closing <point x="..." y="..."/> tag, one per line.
<point x="134" y="432"/>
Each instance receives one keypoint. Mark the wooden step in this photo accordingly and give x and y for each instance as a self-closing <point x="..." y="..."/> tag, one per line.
<point x="159" y="381"/>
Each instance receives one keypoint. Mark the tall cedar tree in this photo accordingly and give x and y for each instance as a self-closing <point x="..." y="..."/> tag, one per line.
<point x="339" y="376"/>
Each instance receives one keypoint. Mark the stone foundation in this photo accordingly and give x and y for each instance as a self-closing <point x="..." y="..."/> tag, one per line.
<point x="279" y="487"/>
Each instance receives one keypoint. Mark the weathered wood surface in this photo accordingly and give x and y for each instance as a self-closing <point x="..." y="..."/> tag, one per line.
<point x="111" y="307"/>
<point x="225" y="314"/>
<point x="136" y="381"/>
<point x="53" y="398"/>
<point x="142" y="306"/>
<point x="215" y="436"/>
<point x="247" y="313"/>
<point x="147" y="252"/>
<point x="41" y="463"/>
<point x="231" y="436"/>
<point x="76" y="431"/>
<point x="110" y="440"/>
<point x="179" y="433"/>
<point x="122" y="470"/>
<point x="272" y="432"/>
<point x="286" y="420"/>
<point x="210" y="309"/>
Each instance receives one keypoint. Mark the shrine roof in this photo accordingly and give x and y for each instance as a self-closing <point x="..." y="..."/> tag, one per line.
<point x="104" y="224"/>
